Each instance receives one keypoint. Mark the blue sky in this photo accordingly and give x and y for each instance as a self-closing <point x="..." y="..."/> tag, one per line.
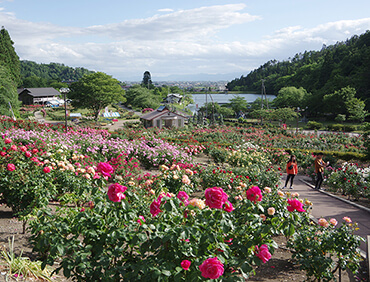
<point x="188" y="39"/>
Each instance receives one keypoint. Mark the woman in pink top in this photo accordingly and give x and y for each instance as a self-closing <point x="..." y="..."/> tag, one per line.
<point x="291" y="170"/>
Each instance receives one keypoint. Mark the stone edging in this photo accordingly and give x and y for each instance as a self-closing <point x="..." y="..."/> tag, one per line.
<point x="338" y="198"/>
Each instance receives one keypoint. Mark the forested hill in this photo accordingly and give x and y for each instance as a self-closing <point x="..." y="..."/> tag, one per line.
<point x="42" y="75"/>
<point x="319" y="72"/>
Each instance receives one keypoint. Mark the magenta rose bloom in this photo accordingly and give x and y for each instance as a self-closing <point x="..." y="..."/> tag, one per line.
<point x="263" y="253"/>
<point x="10" y="167"/>
<point x="46" y="169"/>
<point x="254" y="194"/>
<point x="185" y="264"/>
<point x="155" y="208"/>
<point x="115" y="192"/>
<point x="228" y="207"/>
<point x="105" y="169"/>
<point x="294" y="204"/>
<point x="211" y="268"/>
<point x="183" y="196"/>
<point x="215" y="197"/>
<point x="141" y="219"/>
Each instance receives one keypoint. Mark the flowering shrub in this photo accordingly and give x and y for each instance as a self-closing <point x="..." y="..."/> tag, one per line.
<point x="25" y="181"/>
<point x="350" y="180"/>
<point x="317" y="253"/>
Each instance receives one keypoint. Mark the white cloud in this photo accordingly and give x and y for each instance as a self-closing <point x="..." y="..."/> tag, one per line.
<point x="165" y="10"/>
<point x="180" y="42"/>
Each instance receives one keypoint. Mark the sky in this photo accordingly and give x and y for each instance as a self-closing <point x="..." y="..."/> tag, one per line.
<point x="177" y="39"/>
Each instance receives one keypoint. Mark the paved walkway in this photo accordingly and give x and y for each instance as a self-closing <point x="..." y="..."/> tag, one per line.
<point x="329" y="207"/>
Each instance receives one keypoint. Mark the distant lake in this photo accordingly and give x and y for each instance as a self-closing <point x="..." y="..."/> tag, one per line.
<point x="200" y="99"/>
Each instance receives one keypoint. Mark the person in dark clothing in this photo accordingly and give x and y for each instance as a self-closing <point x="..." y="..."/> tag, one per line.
<point x="291" y="170"/>
<point x="319" y="169"/>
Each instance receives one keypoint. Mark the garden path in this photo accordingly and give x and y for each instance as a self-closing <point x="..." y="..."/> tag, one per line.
<point x="329" y="207"/>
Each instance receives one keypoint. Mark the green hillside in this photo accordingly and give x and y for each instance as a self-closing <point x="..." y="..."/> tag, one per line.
<point x="43" y="75"/>
<point x="319" y="72"/>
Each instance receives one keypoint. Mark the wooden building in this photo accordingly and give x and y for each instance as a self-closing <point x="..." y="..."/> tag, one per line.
<point x="30" y="96"/>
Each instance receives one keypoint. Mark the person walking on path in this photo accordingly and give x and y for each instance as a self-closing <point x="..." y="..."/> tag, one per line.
<point x="319" y="169"/>
<point x="291" y="170"/>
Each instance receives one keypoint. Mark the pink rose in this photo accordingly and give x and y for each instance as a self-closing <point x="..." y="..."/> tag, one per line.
<point x="211" y="268"/>
<point x="228" y="207"/>
<point x="7" y="140"/>
<point x="28" y="154"/>
<point x="347" y="219"/>
<point x="2" y="153"/>
<point x="13" y="147"/>
<point x="323" y="222"/>
<point x="295" y="204"/>
<point x="254" y="194"/>
<point x="271" y="211"/>
<point x="333" y="221"/>
<point x="141" y="219"/>
<point x="10" y="167"/>
<point x="155" y="208"/>
<point x="185" y="179"/>
<point x="215" y="197"/>
<point x="115" y="192"/>
<point x="23" y="148"/>
<point x="263" y="253"/>
<point x="183" y="196"/>
<point x="185" y="264"/>
<point x="105" y="169"/>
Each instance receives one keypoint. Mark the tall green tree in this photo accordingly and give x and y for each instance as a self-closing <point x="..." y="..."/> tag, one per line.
<point x="356" y="109"/>
<point x="147" y="80"/>
<point x="8" y="56"/>
<point x="291" y="97"/>
<point x="96" y="91"/>
<point x="336" y="103"/>
<point x="238" y="104"/>
<point x="8" y="93"/>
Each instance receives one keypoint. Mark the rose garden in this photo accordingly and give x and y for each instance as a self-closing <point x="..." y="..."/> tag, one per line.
<point x="137" y="205"/>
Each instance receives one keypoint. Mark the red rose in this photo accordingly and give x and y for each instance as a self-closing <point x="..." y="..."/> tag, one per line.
<point x="10" y="167"/>
<point x="185" y="264"/>
<point x="215" y="197"/>
<point x="46" y="169"/>
<point x="211" y="268"/>
<point x="228" y="207"/>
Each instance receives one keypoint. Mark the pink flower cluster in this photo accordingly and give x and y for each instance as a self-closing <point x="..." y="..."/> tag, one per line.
<point x="295" y="204"/>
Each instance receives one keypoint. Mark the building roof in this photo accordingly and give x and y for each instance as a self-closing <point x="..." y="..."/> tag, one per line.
<point x="162" y="110"/>
<point x="39" y="92"/>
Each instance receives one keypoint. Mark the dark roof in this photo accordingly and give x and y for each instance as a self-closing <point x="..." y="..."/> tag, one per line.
<point x="162" y="110"/>
<point x="39" y="92"/>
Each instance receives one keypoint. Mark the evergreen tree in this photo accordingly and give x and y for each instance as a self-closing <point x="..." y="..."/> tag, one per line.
<point x="8" y="93"/>
<point x="8" y="57"/>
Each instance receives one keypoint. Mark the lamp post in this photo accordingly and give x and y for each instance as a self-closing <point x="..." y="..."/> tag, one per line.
<point x="64" y="91"/>
<point x="298" y="110"/>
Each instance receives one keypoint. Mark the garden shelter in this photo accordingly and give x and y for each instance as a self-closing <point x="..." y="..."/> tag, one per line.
<point x="163" y="117"/>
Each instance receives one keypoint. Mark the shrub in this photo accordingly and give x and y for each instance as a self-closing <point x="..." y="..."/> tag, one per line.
<point x="314" y="125"/>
